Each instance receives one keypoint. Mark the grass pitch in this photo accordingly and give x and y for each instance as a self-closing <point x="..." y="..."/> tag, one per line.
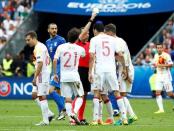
<point x="21" y="115"/>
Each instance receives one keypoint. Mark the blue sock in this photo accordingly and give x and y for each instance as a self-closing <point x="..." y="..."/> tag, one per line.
<point x="58" y="99"/>
<point x="113" y="101"/>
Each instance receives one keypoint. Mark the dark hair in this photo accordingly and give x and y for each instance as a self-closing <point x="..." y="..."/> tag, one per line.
<point x="98" y="26"/>
<point x="110" y="27"/>
<point x="158" y="43"/>
<point x="51" y="24"/>
<point x="32" y="34"/>
<point x="73" y="34"/>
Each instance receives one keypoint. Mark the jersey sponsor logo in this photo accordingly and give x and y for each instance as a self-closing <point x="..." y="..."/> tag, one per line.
<point x="5" y="88"/>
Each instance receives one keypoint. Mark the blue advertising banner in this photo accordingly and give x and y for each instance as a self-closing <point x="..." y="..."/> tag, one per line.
<point x="15" y="88"/>
<point x="106" y="7"/>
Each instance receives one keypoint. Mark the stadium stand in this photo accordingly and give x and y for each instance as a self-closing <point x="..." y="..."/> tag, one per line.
<point x="165" y="35"/>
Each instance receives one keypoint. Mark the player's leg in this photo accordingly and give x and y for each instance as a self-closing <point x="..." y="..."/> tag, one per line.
<point x="113" y="83"/>
<point x="83" y="72"/>
<point x="159" y="100"/>
<point x="42" y="92"/>
<point x="125" y="87"/>
<point x="59" y="100"/>
<point x="109" y="108"/>
<point x="114" y="104"/>
<point x="36" y="99"/>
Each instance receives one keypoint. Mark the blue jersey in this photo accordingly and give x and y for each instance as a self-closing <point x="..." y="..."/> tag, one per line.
<point x="52" y="45"/>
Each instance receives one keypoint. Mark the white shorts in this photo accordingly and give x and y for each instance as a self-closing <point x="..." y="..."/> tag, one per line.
<point x="70" y="88"/>
<point x="106" y="81"/>
<point x="166" y="85"/>
<point x="42" y="89"/>
<point x="126" y="86"/>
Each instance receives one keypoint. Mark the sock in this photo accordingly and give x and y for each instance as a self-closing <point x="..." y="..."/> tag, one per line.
<point x="109" y="109"/>
<point x="58" y="99"/>
<point x="81" y="110"/>
<point x="113" y="101"/>
<point x="73" y="103"/>
<point x="159" y="101"/>
<point x="44" y="109"/>
<point x="68" y="107"/>
<point x="122" y="108"/>
<point x="100" y="110"/>
<point x="128" y="107"/>
<point x="96" y="109"/>
<point x="78" y="104"/>
<point x="50" y="113"/>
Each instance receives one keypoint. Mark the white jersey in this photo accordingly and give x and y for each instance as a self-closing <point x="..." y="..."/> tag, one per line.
<point x="163" y="74"/>
<point x="69" y="55"/>
<point x="104" y="47"/>
<point x="122" y="46"/>
<point x="41" y="55"/>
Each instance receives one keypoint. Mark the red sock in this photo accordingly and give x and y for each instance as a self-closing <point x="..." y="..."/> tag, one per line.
<point x="73" y="104"/>
<point x="81" y="110"/>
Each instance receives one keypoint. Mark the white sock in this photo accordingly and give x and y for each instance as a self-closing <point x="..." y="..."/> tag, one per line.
<point x="159" y="101"/>
<point x="128" y="107"/>
<point x="96" y="109"/>
<point x="37" y="101"/>
<point x="110" y="109"/>
<point x="50" y="113"/>
<point x="68" y="107"/>
<point x="44" y="109"/>
<point x="100" y="110"/>
<point x="122" y="108"/>
<point x="78" y="104"/>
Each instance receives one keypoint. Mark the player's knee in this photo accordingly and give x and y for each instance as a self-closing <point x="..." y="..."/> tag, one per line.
<point x="123" y="94"/>
<point x="34" y="96"/>
<point x="158" y="94"/>
<point x="41" y="98"/>
<point x="170" y="94"/>
<point x="68" y="100"/>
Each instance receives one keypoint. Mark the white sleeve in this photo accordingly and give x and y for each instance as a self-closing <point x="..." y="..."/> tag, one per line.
<point x="57" y="53"/>
<point x="92" y="46"/>
<point x="39" y="55"/>
<point x="169" y="60"/>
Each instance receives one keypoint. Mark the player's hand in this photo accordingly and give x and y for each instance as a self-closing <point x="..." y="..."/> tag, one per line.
<point x="56" y="78"/>
<point x="90" y="78"/>
<point x="34" y="82"/>
<point x="124" y="74"/>
<point x="129" y="80"/>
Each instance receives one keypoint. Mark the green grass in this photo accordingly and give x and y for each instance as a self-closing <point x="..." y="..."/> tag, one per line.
<point x="21" y="115"/>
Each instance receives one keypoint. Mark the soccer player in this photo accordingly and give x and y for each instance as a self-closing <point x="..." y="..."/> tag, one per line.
<point x="125" y="82"/>
<point x="69" y="55"/>
<point x="52" y="43"/>
<point x="102" y="55"/>
<point x="84" y="65"/>
<point x="42" y="75"/>
<point x="163" y="63"/>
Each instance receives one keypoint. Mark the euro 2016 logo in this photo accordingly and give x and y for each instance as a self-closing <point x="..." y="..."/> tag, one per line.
<point x="5" y="88"/>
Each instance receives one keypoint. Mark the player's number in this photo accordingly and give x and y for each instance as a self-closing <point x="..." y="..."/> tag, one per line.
<point x="106" y="49"/>
<point x="69" y="55"/>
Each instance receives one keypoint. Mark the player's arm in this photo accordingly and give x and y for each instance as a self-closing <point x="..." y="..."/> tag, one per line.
<point x="91" y="65"/>
<point x="56" y="57"/>
<point x="87" y="26"/>
<point x="39" y="60"/>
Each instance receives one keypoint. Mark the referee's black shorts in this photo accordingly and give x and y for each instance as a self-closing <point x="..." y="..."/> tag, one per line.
<point x="83" y="72"/>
